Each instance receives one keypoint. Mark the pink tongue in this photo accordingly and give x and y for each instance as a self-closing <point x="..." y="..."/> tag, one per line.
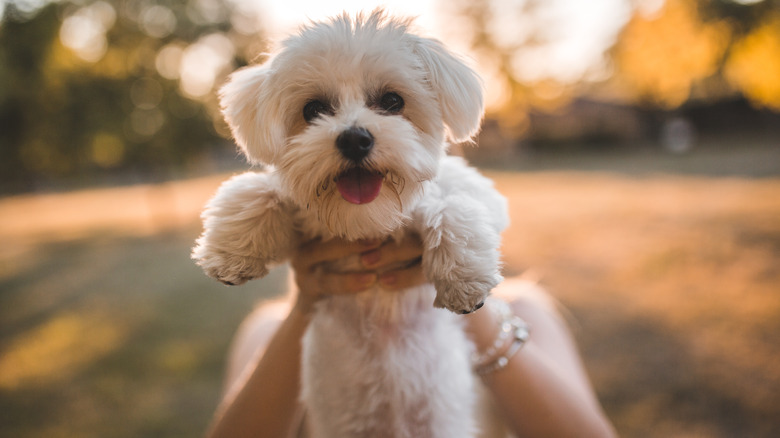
<point x="359" y="186"/>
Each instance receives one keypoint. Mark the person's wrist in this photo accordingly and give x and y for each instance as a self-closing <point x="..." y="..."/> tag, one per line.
<point x="510" y="335"/>
<point x="521" y="332"/>
<point x="484" y="327"/>
<point x="304" y="303"/>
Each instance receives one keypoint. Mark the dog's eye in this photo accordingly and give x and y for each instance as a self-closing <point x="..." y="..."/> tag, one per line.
<point x="314" y="109"/>
<point x="391" y="102"/>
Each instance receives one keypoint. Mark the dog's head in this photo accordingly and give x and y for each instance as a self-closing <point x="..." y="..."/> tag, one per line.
<point x="354" y="114"/>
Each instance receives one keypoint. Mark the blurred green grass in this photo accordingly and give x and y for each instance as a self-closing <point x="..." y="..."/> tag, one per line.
<point x="116" y="336"/>
<point x="672" y="285"/>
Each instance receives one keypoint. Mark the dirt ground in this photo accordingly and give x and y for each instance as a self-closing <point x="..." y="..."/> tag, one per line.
<point x="671" y="284"/>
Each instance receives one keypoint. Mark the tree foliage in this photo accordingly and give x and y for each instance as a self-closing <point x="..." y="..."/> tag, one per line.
<point x="753" y="66"/>
<point x="99" y="88"/>
<point x="668" y="52"/>
<point x="662" y="55"/>
<point x="701" y="49"/>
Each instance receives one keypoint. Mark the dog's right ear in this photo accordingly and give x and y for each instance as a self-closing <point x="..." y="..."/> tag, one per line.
<point x="253" y="112"/>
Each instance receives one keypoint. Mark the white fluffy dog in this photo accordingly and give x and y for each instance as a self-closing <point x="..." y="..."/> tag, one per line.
<point x="352" y="119"/>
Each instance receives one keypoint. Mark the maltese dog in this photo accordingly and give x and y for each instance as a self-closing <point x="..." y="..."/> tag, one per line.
<point x="352" y="119"/>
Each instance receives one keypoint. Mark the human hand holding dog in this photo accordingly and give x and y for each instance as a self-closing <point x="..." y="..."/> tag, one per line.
<point x="315" y="281"/>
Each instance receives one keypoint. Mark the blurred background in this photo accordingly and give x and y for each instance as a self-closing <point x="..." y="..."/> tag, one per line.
<point x="638" y="142"/>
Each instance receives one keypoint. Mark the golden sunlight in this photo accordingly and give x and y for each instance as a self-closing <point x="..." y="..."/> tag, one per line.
<point x="754" y="64"/>
<point x="58" y="349"/>
<point x="664" y="55"/>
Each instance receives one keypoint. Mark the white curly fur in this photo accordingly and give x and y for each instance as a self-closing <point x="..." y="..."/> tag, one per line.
<point x="379" y="363"/>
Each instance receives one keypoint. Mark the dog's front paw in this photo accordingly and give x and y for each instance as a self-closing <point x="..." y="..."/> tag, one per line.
<point x="233" y="270"/>
<point x="464" y="296"/>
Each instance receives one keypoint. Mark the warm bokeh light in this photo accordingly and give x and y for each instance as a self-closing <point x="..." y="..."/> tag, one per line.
<point x="203" y="62"/>
<point x="158" y="21"/>
<point x="282" y="18"/>
<point x="85" y="30"/>
<point x="199" y="65"/>
<point x="754" y="64"/>
<point x="57" y="350"/>
<point x="662" y="56"/>
<point x="168" y="61"/>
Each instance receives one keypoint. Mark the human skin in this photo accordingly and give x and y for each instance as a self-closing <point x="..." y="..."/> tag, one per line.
<point x="543" y="391"/>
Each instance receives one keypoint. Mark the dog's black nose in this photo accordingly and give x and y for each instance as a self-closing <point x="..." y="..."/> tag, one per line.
<point x="355" y="143"/>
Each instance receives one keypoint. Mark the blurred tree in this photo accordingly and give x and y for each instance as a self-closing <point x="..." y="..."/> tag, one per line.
<point x="502" y="36"/>
<point x="705" y="49"/>
<point x="96" y="88"/>
<point x="668" y="53"/>
<point x="742" y="15"/>
<point x="753" y="67"/>
<point x="661" y="55"/>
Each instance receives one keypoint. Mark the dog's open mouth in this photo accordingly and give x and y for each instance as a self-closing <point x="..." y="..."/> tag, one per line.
<point x="359" y="185"/>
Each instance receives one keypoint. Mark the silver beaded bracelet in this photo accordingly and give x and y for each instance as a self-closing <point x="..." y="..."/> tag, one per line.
<point x="505" y="313"/>
<point x="522" y="332"/>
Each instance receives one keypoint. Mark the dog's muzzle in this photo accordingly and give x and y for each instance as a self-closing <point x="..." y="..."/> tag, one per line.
<point x="355" y="143"/>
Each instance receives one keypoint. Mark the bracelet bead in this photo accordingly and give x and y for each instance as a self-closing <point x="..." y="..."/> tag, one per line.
<point x="522" y="332"/>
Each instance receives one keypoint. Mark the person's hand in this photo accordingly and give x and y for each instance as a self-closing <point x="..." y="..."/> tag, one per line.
<point x="315" y="282"/>
<point x="405" y="258"/>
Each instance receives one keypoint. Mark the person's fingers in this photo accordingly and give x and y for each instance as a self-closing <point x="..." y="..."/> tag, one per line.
<point x="318" y="284"/>
<point x="344" y="284"/>
<point x="389" y="253"/>
<point x="321" y="283"/>
<point x="403" y="278"/>
<point x="317" y="251"/>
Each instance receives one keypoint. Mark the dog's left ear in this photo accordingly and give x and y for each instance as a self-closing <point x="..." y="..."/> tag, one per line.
<point x="458" y="87"/>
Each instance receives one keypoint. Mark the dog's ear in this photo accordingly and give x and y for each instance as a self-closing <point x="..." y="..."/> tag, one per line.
<point x="251" y="109"/>
<point x="458" y="87"/>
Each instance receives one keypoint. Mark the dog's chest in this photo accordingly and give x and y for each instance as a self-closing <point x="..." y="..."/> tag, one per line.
<point x="387" y="366"/>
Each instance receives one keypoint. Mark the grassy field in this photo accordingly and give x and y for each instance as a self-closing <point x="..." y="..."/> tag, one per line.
<point x="671" y="283"/>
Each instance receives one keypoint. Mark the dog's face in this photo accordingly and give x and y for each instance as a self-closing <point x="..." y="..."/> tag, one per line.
<point x="354" y="116"/>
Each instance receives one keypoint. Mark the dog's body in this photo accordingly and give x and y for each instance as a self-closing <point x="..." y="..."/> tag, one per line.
<point x="354" y="114"/>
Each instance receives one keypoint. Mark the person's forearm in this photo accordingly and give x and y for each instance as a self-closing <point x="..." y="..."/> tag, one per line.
<point x="267" y="403"/>
<point x="543" y="390"/>
<point x="539" y="400"/>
